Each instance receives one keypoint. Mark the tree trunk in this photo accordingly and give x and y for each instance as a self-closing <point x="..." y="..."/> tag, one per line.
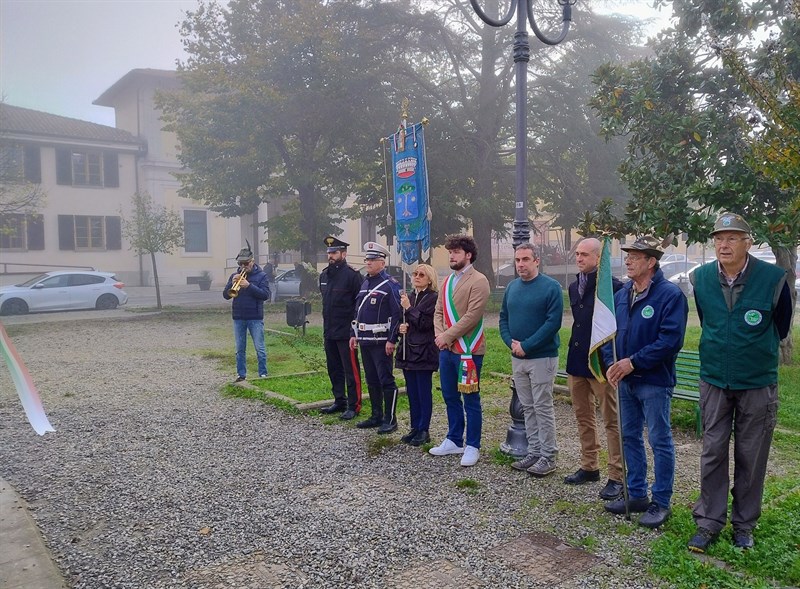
<point x="482" y="234"/>
<point x="308" y="224"/>
<point x="787" y="258"/>
<point x="256" y="239"/>
<point x="155" y="279"/>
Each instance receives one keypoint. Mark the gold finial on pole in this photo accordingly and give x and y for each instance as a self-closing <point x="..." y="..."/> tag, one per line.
<point x="404" y="110"/>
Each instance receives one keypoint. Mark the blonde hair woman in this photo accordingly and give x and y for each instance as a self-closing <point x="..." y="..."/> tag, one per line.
<point x="417" y="354"/>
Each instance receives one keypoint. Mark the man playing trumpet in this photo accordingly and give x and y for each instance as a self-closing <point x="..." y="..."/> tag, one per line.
<point x="248" y="288"/>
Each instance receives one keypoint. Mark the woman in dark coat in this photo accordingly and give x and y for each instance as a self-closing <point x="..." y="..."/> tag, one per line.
<point x="417" y="354"/>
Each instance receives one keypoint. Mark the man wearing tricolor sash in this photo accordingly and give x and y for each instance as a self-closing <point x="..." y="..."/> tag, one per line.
<point x="458" y="324"/>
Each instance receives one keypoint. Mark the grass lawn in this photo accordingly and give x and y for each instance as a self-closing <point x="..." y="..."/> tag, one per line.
<point x="297" y="370"/>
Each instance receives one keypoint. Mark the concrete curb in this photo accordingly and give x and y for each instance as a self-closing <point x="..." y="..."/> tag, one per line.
<point x="25" y="561"/>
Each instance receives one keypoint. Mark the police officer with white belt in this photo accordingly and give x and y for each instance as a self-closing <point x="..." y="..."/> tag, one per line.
<point x="375" y="330"/>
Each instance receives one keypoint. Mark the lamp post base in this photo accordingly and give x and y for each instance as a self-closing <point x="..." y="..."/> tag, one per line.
<point x="516" y="443"/>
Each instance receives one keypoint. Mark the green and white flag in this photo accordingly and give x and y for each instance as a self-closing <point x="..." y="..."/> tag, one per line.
<point x="604" y="323"/>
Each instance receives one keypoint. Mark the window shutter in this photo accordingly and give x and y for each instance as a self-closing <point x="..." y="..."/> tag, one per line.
<point x="33" y="164"/>
<point x="35" y="225"/>
<point x="66" y="232"/>
<point x="110" y="170"/>
<point x="64" y="168"/>
<point x="113" y="233"/>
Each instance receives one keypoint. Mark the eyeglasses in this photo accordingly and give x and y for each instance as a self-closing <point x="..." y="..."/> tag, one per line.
<point x="420" y="274"/>
<point x="728" y="240"/>
<point x="244" y="263"/>
<point x="630" y="258"/>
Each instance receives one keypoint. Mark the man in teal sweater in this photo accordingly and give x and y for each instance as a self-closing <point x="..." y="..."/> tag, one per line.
<point x="529" y="322"/>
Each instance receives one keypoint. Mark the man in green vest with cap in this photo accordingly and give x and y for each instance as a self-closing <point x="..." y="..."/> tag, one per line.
<point x="745" y="309"/>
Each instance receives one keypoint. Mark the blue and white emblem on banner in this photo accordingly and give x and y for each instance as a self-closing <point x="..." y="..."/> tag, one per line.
<point x="411" y="204"/>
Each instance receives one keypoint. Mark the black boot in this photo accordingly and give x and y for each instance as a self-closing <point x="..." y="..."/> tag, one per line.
<point x="337" y="407"/>
<point x="373" y="421"/>
<point x="406" y="439"/>
<point x="348" y="415"/>
<point x="422" y="437"/>
<point x="389" y="405"/>
<point x="387" y="427"/>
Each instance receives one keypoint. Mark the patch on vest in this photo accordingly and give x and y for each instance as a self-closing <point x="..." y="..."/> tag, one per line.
<point x="753" y="317"/>
<point x="648" y="312"/>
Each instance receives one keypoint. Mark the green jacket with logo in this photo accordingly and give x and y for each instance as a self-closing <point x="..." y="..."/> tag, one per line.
<point x="739" y="346"/>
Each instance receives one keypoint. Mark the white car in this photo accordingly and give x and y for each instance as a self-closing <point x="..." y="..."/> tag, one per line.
<point x="683" y="279"/>
<point x="62" y="291"/>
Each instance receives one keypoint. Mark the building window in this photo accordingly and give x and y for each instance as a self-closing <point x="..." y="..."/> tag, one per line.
<point x="87" y="168"/>
<point x="89" y="232"/>
<point x="195" y="231"/>
<point x="12" y="232"/>
<point x="369" y="228"/>
<point x="11" y="166"/>
<point x="19" y="163"/>
<point x="83" y="232"/>
<point x="21" y="232"/>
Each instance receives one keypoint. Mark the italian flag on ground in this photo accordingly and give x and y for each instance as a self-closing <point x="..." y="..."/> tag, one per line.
<point x="604" y="323"/>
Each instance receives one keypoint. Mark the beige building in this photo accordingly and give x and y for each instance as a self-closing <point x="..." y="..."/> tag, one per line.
<point x="89" y="173"/>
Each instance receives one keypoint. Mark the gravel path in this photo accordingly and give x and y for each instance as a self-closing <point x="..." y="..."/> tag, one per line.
<point x="153" y="480"/>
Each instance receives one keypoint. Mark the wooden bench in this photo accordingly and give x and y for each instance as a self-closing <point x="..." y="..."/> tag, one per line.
<point x="687" y="371"/>
<point x="687" y="388"/>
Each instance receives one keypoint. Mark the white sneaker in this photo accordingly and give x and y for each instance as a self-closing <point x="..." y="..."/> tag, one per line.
<point x="470" y="457"/>
<point x="448" y="446"/>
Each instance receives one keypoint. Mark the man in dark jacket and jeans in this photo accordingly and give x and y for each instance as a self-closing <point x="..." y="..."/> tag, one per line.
<point x="586" y="391"/>
<point x="339" y="284"/>
<point x="651" y="317"/>
<point x="248" y="311"/>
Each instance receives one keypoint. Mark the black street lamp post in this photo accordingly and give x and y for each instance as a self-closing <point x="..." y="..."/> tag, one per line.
<point x="516" y="443"/>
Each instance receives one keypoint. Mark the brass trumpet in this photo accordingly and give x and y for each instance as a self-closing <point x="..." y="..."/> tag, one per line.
<point x="233" y="291"/>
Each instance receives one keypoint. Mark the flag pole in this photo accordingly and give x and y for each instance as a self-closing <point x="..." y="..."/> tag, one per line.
<point x="604" y="331"/>
<point x="402" y="132"/>
<point x="625" y="495"/>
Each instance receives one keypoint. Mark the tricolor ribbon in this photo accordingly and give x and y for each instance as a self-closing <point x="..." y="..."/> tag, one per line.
<point x="464" y="345"/>
<point x="26" y="390"/>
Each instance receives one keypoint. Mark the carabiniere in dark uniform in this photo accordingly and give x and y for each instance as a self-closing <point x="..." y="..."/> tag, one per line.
<point x="375" y="328"/>
<point x="339" y="285"/>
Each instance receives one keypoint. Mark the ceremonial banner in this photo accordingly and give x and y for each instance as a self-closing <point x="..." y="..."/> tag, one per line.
<point x="26" y="390"/>
<point x="412" y="211"/>
<point x="604" y="322"/>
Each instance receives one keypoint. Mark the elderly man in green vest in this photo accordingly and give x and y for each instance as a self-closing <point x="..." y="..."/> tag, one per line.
<point x="745" y="308"/>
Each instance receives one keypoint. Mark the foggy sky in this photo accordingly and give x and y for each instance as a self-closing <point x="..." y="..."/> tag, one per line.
<point x="58" y="56"/>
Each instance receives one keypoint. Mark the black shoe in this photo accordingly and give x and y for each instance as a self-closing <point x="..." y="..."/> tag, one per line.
<point x="743" y="539"/>
<point x="422" y="437"/>
<point x="239" y="379"/>
<point x="370" y="422"/>
<point x="638" y="505"/>
<point x="612" y="490"/>
<point x="582" y="476"/>
<point x="655" y="516"/>
<point x="348" y="415"/>
<point x="387" y="428"/>
<point x="406" y="439"/>
<point x="335" y="408"/>
<point x="702" y="539"/>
